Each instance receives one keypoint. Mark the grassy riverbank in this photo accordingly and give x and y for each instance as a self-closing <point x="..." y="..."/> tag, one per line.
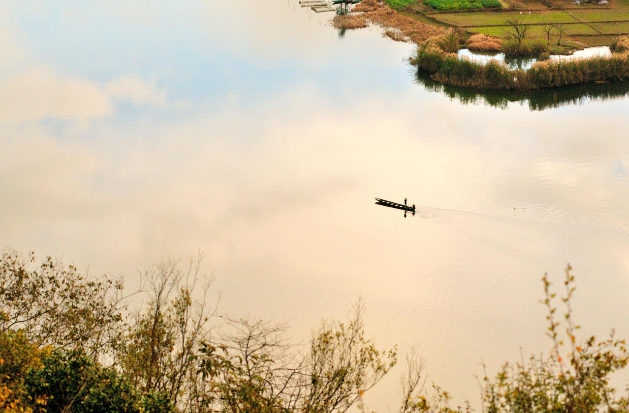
<point x="576" y="26"/>
<point x="564" y="26"/>
<point x="516" y="34"/>
<point x="447" y="68"/>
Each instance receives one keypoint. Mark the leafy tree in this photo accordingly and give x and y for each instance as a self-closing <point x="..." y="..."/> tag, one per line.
<point x="343" y="364"/>
<point x="17" y="357"/>
<point x="252" y="368"/>
<point x="572" y="380"/>
<point x="55" y="305"/>
<point x="160" y="350"/>
<point x="70" y="381"/>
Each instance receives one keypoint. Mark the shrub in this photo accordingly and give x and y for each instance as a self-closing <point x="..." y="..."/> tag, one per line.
<point x="483" y="43"/>
<point x="429" y="59"/>
<point x="538" y="47"/>
<point x="449" y="42"/>
<point x="55" y="304"/>
<point x="525" y="49"/>
<point x="515" y="49"/>
<point x="17" y="357"/>
<point x="620" y="45"/>
<point x="70" y="381"/>
<point x="572" y="380"/>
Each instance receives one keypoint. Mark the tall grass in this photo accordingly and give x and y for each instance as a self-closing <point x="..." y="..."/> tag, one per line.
<point x="449" y="69"/>
<point x="483" y="43"/>
<point x="450" y="41"/>
<point x="524" y="49"/>
<point x="396" y="25"/>
<point x="620" y="45"/>
<point x="570" y="72"/>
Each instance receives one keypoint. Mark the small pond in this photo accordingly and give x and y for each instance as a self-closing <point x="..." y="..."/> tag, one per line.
<point x="526" y="63"/>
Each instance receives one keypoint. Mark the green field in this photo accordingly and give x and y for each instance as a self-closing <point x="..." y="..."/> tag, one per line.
<point x="612" y="28"/>
<point x="492" y="19"/>
<point x="600" y="15"/>
<point x="536" y="32"/>
<point x="462" y="4"/>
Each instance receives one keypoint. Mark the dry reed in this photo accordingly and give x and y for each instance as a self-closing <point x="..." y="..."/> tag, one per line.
<point x="350" y="21"/>
<point x="382" y="15"/>
<point x="395" y="35"/>
<point x="483" y="43"/>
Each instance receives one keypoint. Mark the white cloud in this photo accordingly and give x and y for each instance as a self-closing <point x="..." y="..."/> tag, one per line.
<point x="137" y="90"/>
<point x="43" y="94"/>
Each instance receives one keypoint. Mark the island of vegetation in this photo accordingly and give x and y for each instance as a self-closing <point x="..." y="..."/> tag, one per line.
<point x="517" y="28"/>
<point x="70" y="343"/>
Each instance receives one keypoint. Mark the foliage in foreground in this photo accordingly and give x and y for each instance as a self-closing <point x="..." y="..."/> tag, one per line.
<point x="56" y="305"/>
<point x="162" y="357"/>
<point x="574" y="377"/>
<point x="168" y="358"/>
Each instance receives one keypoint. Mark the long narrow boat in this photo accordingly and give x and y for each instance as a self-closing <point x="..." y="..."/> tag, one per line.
<point x="395" y="205"/>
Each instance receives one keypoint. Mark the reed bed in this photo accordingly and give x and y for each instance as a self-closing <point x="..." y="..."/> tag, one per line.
<point x="483" y="43"/>
<point x="397" y="26"/>
<point x="395" y="34"/>
<point x="524" y="49"/>
<point x="350" y="21"/>
<point x="449" y="69"/>
<point x="620" y="45"/>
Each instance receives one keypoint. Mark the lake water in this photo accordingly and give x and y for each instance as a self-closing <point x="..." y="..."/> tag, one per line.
<point x="527" y="63"/>
<point x="254" y="131"/>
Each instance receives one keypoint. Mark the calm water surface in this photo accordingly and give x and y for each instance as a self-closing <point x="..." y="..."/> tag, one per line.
<point x="254" y="131"/>
<point x="527" y="63"/>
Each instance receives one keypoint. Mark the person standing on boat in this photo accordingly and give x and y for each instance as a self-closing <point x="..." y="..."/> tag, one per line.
<point x="404" y="201"/>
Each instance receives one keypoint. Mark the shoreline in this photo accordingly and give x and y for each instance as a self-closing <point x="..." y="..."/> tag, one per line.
<point x="437" y="48"/>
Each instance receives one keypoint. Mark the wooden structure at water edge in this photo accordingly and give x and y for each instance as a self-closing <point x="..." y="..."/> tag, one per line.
<point x="318" y="6"/>
<point x="403" y="207"/>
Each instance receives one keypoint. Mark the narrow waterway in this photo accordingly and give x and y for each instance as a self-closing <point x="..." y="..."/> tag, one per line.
<point x="527" y="63"/>
<point x="257" y="133"/>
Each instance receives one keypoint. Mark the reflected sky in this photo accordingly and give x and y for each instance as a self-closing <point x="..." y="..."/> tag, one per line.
<point x="130" y="131"/>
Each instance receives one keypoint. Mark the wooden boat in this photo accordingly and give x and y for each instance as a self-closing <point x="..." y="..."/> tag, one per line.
<point x="395" y="205"/>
